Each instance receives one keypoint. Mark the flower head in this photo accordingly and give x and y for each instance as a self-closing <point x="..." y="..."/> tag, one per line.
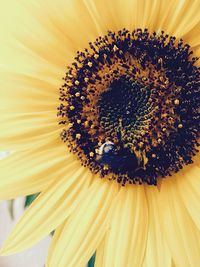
<point x="114" y="152"/>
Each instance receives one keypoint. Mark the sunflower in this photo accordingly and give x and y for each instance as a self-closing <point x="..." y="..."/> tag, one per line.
<point x="100" y="104"/>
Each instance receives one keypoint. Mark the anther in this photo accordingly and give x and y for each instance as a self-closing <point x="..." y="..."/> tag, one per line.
<point x="78" y="136"/>
<point x="176" y="102"/>
<point x="77" y="82"/>
<point x="77" y="94"/>
<point x="115" y="48"/>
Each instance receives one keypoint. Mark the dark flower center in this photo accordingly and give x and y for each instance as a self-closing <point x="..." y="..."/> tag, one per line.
<point x="130" y="106"/>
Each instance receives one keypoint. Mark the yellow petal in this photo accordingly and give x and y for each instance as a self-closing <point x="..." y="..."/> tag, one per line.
<point x="192" y="36"/>
<point x="28" y="130"/>
<point x="85" y="228"/>
<point x="181" y="234"/>
<point x="100" y="253"/>
<point x="50" y="36"/>
<point x="187" y="18"/>
<point x="157" y="252"/>
<point x="63" y="25"/>
<point x="56" y="236"/>
<point x="177" y="17"/>
<point x="28" y="93"/>
<point x="31" y="30"/>
<point x="126" y="240"/>
<point x="28" y="111"/>
<point x="49" y="210"/>
<point x="189" y="188"/>
<point x="117" y="15"/>
<point x="31" y="171"/>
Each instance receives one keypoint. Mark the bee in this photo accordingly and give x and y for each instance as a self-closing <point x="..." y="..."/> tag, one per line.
<point x="117" y="158"/>
<point x="107" y="148"/>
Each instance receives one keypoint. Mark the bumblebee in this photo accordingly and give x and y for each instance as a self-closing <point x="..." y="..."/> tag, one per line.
<point x="119" y="160"/>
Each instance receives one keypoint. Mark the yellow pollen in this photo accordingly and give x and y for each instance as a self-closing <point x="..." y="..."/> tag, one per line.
<point x="115" y="48"/>
<point x="77" y="82"/>
<point x="96" y="56"/>
<point x="77" y="94"/>
<point x="78" y="136"/>
<point x="171" y="120"/>
<point x="90" y="64"/>
<point x="82" y="97"/>
<point x="176" y="102"/>
<point x="86" y="79"/>
<point x="105" y="167"/>
<point x="72" y="107"/>
<point x="97" y="151"/>
<point x="153" y="155"/>
<point x="86" y="123"/>
<point x="69" y="83"/>
<point x="141" y="144"/>
<point x="161" y="78"/>
<point x="154" y="144"/>
<point x="78" y="121"/>
<point x="180" y="126"/>
<point x="91" y="154"/>
<point x="164" y="115"/>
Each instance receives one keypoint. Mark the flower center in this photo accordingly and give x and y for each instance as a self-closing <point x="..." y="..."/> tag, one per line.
<point x="130" y="106"/>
